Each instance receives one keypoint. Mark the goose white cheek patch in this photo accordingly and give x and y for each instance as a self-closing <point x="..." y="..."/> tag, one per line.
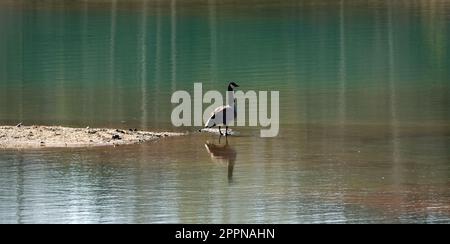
<point x="236" y="112"/>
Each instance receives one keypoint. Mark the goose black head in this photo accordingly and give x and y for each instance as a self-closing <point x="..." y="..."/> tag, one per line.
<point x="231" y="86"/>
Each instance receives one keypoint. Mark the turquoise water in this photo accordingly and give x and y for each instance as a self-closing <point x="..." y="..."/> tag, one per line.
<point x="364" y="108"/>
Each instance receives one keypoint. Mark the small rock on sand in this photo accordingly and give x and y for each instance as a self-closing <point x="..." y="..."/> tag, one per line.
<point x="116" y="137"/>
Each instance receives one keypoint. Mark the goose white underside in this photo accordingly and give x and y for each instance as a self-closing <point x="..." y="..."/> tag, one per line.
<point x="216" y="131"/>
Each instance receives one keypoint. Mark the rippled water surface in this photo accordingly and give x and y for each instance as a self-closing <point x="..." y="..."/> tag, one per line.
<point x="364" y="109"/>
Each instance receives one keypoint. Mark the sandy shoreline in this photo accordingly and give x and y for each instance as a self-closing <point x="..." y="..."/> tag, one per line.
<point x="19" y="137"/>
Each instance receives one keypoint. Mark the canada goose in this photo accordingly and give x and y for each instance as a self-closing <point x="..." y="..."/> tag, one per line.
<point x="223" y="115"/>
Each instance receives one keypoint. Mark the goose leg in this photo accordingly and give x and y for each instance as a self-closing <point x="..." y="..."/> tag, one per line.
<point x="226" y="131"/>
<point x="220" y="132"/>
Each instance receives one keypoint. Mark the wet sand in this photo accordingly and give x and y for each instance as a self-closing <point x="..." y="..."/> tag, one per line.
<point x="57" y="136"/>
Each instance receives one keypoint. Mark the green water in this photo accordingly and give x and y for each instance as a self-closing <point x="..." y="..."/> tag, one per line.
<point x="364" y="109"/>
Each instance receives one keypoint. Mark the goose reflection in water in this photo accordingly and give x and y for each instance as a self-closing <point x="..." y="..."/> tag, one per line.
<point x="223" y="155"/>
